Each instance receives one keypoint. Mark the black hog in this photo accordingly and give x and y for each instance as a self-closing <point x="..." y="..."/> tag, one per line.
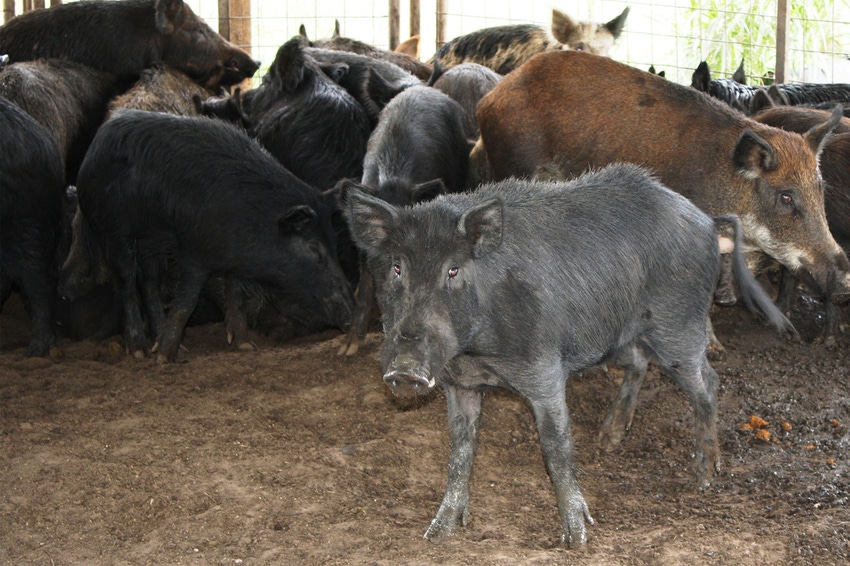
<point x="521" y="284"/>
<point x="417" y="152"/>
<point x="31" y="188"/>
<point x="551" y="117"/>
<point x="125" y="37"/>
<point x="309" y="123"/>
<point x="209" y="198"/>
<point x="401" y="59"/>
<point x="467" y="84"/>
<point x="504" y="48"/>
<point x="747" y="99"/>
<point x="372" y="82"/>
<point x="67" y="98"/>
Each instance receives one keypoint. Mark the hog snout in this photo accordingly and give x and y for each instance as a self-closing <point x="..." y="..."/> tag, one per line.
<point x="406" y="378"/>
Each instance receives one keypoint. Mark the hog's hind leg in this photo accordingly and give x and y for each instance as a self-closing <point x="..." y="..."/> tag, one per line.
<point x="618" y="422"/>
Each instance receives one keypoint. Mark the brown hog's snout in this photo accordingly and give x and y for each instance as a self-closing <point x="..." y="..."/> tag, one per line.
<point x="407" y="378"/>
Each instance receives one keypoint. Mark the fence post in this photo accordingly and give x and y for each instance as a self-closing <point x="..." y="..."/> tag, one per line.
<point x="414" y="18"/>
<point x="224" y="19"/>
<point x="441" y="23"/>
<point x="783" y="20"/>
<point x="8" y="10"/>
<point x="395" y="23"/>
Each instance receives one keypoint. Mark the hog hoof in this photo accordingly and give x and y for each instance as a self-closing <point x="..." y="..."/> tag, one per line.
<point x="248" y="347"/>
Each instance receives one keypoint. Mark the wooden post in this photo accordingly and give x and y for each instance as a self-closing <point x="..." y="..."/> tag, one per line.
<point x="8" y="10"/>
<point x="240" y="23"/>
<point x="441" y="23"/>
<point x="224" y="19"/>
<point x="55" y="2"/>
<point x="414" y="17"/>
<point x="783" y="22"/>
<point x="394" y="23"/>
<point x="37" y="4"/>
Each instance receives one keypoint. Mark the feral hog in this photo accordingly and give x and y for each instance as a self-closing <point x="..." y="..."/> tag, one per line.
<point x="504" y="48"/>
<point x="125" y="37"/>
<point x="555" y="117"/>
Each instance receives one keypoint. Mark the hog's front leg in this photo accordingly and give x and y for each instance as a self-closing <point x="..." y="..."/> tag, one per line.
<point x="464" y="410"/>
<point x="553" y="426"/>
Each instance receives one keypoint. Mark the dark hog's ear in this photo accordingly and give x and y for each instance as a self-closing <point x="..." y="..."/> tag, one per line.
<point x="616" y="25"/>
<point x="428" y="190"/>
<point x="296" y="218"/>
<point x="701" y="77"/>
<point x="165" y="12"/>
<point x="338" y="195"/>
<point x="482" y="227"/>
<point x="753" y="156"/>
<point x="288" y="65"/>
<point x="370" y="220"/>
<point x="817" y="136"/>
<point x="740" y="76"/>
<point x="337" y="72"/>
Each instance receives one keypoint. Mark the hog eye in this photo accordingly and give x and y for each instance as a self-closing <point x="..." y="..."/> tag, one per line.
<point x="787" y="199"/>
<point x="452" y="272"/>
<point x="397" y="270"/>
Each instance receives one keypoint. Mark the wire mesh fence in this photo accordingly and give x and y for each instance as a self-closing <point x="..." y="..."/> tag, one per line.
<point x="671" y="35"/>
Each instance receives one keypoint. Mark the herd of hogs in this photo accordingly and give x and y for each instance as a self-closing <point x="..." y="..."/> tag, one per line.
<point x="518" y="209"/>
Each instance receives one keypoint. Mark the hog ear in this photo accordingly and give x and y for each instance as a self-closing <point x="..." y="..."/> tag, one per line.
<point x="165" y="12"/>
<point x="818" y="135"/>
<point x="289" y="64"/>
<point x="344" y="187"/>
<point x="336" y="30"/>
<point x="761" y="100"/>
<point x="409" y="47"/>
<point x="753" y="156"/>
<point x="335" y="71"/>
<point x="482" y="226"/>
<point x="615" y="26"/>
<point x="370" y="220"/>
<point x="296" y="218"/>
<point x="428" y="190"/>
<point x="739" y="76"/>
<point x="302" y="31"/>
<point x="563" y="26"/>
<point x="701" y="77"/>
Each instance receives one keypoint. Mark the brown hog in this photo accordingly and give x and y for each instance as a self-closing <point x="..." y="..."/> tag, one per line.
<point x="125" y="37"/>
<point x="565" y="112"/>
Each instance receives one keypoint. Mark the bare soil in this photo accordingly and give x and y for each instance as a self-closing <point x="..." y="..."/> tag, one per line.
<point x="293" y="455"/>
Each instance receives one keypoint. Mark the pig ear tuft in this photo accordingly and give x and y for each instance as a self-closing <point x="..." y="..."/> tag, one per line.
<point x="616" y="25"/>
<point x="563" y="26"/>
<point x="428" y="190"/>
<point x="817" y="136"/>
<point x="753" y="156"/>
<point x="701" y="77"/>
<point x="369" y="218"/>
<point x="482" y="226"/>
<point x="296" y="218"/>
<point x="165" y="12"/>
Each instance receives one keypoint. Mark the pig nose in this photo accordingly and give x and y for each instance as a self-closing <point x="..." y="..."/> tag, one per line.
<point x="405" y="384"/>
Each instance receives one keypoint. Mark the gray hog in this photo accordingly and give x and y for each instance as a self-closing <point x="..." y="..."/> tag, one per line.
<point x="521" y="284"/>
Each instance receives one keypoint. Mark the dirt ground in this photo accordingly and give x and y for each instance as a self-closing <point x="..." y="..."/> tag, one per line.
<point x="293" y="455"/>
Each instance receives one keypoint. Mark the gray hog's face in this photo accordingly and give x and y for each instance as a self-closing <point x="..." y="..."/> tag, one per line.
<point x="430" y="294"/>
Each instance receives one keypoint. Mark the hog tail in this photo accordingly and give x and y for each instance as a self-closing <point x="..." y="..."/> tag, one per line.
<point x="754" y="295"/>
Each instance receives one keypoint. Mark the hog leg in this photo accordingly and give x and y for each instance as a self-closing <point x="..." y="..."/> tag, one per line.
<point x="549" y="405"/>
<point x="235" y="319"/>
<point x="699" y="383"/>
<point x="362" y="311"/>
<point x="464" y="410"/>
<point x="619" y="420"/>
<point x="126" y="270"/>
<point x="150" y="287"/>
<point x="185" y="301"/>
<point x="724" y="293"/>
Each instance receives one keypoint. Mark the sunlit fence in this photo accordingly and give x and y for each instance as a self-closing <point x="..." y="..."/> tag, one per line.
<point x="672" y="35"/>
